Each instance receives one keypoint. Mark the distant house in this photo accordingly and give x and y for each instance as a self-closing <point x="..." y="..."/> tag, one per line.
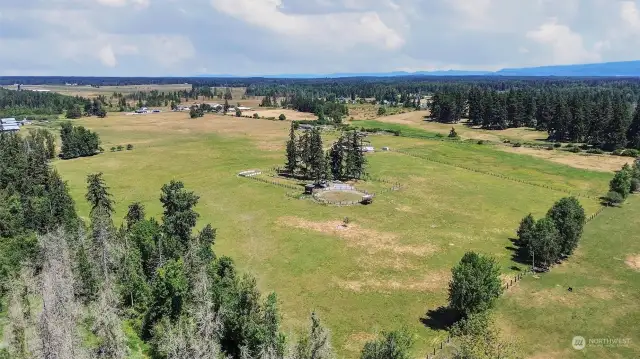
<point x="368" y="149"/>
<point x="142" y="110"/>
<point x="9" y="125"/>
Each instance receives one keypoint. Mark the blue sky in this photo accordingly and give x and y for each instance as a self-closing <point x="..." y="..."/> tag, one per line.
<point x="252" y="37"/>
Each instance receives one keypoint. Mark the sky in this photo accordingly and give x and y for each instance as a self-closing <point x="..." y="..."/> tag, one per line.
<point x="265" y="37"/>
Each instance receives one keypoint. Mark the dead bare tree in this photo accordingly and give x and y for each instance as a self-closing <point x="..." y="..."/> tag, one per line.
<point x="57" y="330"/>
<point x="108" y="326"/>
<point x="22" y="343"/>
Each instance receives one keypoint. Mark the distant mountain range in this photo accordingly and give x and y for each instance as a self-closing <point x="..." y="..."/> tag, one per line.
<point x="607" y="69"/>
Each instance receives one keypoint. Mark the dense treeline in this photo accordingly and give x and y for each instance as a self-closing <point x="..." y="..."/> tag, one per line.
<point x="603" y="119"/>
<point x="327" y="110"/>
<point x="306" y="158"/>
<point x="24" y="103"/>
<point x="77" y="141"/>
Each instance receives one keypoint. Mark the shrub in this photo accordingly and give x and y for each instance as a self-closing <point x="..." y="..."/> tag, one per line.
<point x="621" y="183"/>
<point x="282" y="117"/>
<point x="101" y="149"/>
<point x="569" y="145"/>
<point x="613" y="198"/>
<point x="129" y="147"/>
<point x="113" y="149"/>
<point x="595" y="151"/>
<point x="120" y="147"/>
<point x="255" y="115"/>
<point x="557" y="145"/>
<point x="631" y="153"/>
<point x="453" y="133"/>
<point x="635" y="185"/>
<point x="617" y="152"/>
<point x="517" y="144"/>
<point x="382" y="111"/>
<point x="481" y="142"/>
<point x="506" y="141"/>
<point x="575" y="150"/>
<point x="549" y="148"/>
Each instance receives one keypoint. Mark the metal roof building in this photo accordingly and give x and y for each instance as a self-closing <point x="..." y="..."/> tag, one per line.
<point x="9" y="125"/>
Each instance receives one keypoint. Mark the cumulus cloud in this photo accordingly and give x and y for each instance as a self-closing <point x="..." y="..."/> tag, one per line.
<point x="566" y="46"/>
<point x="349" y="28"/>
<point x="253" y="37"/>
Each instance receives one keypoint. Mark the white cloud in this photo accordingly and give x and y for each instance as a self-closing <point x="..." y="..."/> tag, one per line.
<point x="341" y="29"/>
<point x="566" y="46"/>
<point x="178" y="37"/>
<point x="107" y="57"/>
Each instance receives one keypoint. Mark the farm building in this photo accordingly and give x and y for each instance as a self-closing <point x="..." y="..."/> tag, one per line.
<point x="9" y="125"/>
<point x="243" y="108"/>
<point x="368" y="149"/>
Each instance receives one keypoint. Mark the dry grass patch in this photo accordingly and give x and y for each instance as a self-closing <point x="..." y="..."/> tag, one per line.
<point x="275" y="113"/>
<point x="602" y="163"/>
<point x="356" y="341"/>
<point x="371" y="240"/>
<point x="560" y="295"/>
<point x="633" y="261"/>
<point x="435" y="281"/>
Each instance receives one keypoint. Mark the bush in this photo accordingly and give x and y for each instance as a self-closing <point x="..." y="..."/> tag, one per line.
<point x="475" y="284"/>
<point x="382" y="111"/>
<point x="549" y="148"/>
<point x="631" y="153"/>
<point x="113" y="149"/>
<point x="255" y="115"/>
<point x="282" y="117"/>
<point x="506" y="141"/>
<point x="453" y="133"/>
<point x="617" y="152"/>
<point x="120" y="147"/>
<point x="613" y="198"/>
<point x="517" y="144"/>
<point x="575" y="150"/>
<point x="635" y="185"/>
<point x="481" y="142"/>
<point x="129" y="147"/>
<point x="595" y="151"/>
<point x="557" y="145"/>
<point x="569" y="145"/>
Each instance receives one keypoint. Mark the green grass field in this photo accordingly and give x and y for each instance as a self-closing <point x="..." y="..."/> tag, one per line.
<point x="392" y="263"/>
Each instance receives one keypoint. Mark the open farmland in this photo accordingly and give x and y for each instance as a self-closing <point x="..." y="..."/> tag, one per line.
<point x="392" y="264"/>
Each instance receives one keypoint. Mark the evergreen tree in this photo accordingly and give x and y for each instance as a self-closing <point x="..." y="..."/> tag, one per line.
<point x="98" y="194"/>
<point x="316" y="344"/>
<point x="616" y="129"/>
<point x="337" y="158"/>
<point x="178" y="218"/>
<point x="316" y="156"/>
<point x="621" y="183"/>
<point x="633" y="133"/>
<point x="292" y="152"/>
<point x="530" y="110"/>
<point x="135" y="214"/>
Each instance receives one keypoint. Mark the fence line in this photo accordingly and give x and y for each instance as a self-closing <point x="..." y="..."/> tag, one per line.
<point x="283" y="185"/>
<point x="498" y="175"/>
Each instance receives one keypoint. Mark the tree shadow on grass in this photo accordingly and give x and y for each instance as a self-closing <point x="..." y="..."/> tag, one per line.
<point x="440" y="319"/>
<point x="519" y="252"/>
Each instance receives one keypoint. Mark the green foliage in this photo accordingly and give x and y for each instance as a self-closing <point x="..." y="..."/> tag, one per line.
<point x="575" y="150"/>
<point x="569" y="218"/>
<point x="196" y="112"/>
<point x="178" y="218"/>
<point x="282" y="117"/>
<point x="129" y="147"/>
<point x="475" y="284"/>
<point x="168" y="295"/>
<point x="113" y="149"/>
<point x="382" y="111"/>
<point x="135" y="214"/>
<point x="120" y="148"/>
<point x="391" y="345"/>
<point x="292" y="152"/>
<point x="621" y="183"/>
<point x="613" y="198"/>
<point x="479" y="338"/>
<point x="526" y="230"/>
<point x="635" y="185"/>
<point x="78" y="141"/>
<point x="98" y="194"/>
<point x="544" y="245"/>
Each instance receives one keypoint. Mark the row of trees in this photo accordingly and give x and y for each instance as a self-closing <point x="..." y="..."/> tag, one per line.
<point x="305" y="156"/>
<point x="604" y="119"/>
<point x="25" y="103"/>
<point x="327" y="111"/>
<point x="77" y="141"/>
<point x="555" y="236"/>
<point x="625" y="182"/>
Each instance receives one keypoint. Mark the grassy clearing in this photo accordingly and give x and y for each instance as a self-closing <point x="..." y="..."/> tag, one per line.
<point x="604" y="303"/>
<point x="389" y="266"/>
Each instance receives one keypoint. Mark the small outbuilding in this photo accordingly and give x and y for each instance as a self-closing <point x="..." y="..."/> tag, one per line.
<point x="367" y="199"/>
<point x="308" y="189"/>
<point x="9" y="125"/>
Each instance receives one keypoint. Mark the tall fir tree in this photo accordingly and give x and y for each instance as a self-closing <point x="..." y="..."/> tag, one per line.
<point x="633" y="133"/>
<point x="292" y="152"/>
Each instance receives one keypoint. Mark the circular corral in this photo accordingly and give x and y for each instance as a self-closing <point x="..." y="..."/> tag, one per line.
<point x="339" y="196"/>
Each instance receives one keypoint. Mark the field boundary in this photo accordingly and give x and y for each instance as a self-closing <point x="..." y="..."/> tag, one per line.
<point x="497" y="175"/>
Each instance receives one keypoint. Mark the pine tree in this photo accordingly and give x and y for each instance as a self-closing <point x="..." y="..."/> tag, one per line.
<point x="530" y="110"/>
<point x="616" y="129"/>
<point x="336" y="155"/>
<point x="292" y="152"/>
<point x="135" y="214"/>
<point x="633" y="134"/>
<point x="316" y="156"/>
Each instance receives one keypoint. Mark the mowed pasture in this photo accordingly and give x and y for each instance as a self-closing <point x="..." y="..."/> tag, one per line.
<point x="391" y="264"/>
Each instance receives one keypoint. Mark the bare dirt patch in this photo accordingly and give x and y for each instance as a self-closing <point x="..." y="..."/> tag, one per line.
<point x="275" y="113"/>
<point x="433" y="282"/>
<point x="371" y="240"/>
<point x="601" y="163"/>
<point x="356" y="341"/>
<point x="633" y="261"/>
